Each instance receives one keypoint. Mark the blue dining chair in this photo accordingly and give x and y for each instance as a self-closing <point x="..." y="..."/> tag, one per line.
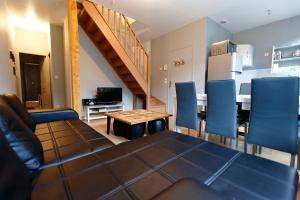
<point x="186" y="105"/>
<point x="221" y="118"/>
<point x="274" y="114"/>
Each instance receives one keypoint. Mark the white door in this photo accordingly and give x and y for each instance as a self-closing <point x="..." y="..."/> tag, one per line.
<point x="178" y="73"/>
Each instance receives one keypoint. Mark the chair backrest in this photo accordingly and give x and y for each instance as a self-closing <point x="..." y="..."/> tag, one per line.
<point x="221" y="116"/>
<point x="274" y="113"/>
<point x="245" y="89"/>
<point x="186" y="105"/>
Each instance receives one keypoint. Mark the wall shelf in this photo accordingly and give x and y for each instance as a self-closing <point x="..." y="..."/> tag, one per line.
<point x="284" y="60"/>
<point x="97" y="111"/>
<point x="287" y="59"/>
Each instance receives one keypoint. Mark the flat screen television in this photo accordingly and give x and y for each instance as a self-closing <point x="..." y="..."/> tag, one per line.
<point x="109" y="95"/>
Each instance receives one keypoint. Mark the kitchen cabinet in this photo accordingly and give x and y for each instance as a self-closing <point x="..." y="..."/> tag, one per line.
<point x="247" y="52"/>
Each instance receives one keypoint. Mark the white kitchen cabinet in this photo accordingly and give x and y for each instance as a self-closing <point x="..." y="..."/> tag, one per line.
<point x="247" y="52"/>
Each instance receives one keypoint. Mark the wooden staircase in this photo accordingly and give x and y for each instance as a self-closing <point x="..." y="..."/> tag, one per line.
<point x="114" y="37"/>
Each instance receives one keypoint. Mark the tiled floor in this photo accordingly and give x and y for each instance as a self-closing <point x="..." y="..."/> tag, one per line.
<point x="100" y="126"/>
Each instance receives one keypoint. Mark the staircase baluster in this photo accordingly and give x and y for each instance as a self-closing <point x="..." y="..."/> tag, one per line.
<point x="134" y="49"/>
<point x="125" y="35"/>
<point x="120" y="20"/>
<point x="115" y="24"/>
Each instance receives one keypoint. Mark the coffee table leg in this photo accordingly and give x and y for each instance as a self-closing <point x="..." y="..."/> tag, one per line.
<point x="167" y="123"/>
<point x="108" y="125"/>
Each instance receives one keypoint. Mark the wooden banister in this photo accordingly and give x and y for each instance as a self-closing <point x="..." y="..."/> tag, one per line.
<point x="127" y="38"/>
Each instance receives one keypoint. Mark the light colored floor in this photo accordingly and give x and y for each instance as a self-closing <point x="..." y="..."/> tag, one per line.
<point x="284" y="158"/>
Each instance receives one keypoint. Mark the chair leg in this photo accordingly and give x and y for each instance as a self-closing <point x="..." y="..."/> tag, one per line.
<point x="200" y="128"/>
<point x="224" y="140"/>
<point x="237" y="139"/>
<point x="188" y="132"/>
<point x="253" y="149"/>
<point x="259" y="149"/>
<point x="245" y="137"/>
<point x="298" y="157"/>
<point x="293" y="158"/>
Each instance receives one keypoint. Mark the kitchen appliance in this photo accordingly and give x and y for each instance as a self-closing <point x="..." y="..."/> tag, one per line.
<point x="226" y="66"/>
<point x="223" y="47"/>
<point x="247" y="52"/>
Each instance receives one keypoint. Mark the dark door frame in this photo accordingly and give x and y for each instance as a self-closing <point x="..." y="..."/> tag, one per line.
<point x="28" y="58"/>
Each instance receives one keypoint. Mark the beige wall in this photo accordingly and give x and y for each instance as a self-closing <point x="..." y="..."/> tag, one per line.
<point x="58" y="66"/>
<point x="7" y="79"/>
<point x="95" y="72"/>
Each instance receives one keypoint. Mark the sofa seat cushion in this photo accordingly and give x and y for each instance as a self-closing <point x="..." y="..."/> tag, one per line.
<point x="14" y="178"/>
<point x="159" y="166"/>
<point x="67" y="140"/>
<point x="14" y="102"/>
<point x="191" y="189"/>
<point x="21" y="138"/>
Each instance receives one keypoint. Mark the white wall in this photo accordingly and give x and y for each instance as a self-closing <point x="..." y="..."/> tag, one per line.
<point x="58" y="66"/>
<point x="7" y="79"/>
<point x="68" y="83"/>
<point x="26" y="41"/>
<point x="199" y="35"/>
<point x="263" y="38"/>
<point x="192" y="35"/>
<point x="95" y="72"/>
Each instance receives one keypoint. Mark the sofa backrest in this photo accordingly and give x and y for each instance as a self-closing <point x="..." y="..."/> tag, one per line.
<point x="14" y="102"/>
<point x="20" y="138"/>
<point x="14" y="178"/>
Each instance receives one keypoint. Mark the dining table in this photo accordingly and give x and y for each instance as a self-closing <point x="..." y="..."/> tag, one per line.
<point x="243" y="100"/>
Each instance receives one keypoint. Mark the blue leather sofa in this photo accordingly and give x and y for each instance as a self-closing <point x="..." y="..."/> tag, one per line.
<point x="67" y="159"/>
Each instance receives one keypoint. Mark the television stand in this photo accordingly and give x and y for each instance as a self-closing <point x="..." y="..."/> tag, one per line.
<point x="97" y="111"/>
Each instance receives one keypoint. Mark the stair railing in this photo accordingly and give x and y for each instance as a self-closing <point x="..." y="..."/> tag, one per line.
<point x="123" y="31"/>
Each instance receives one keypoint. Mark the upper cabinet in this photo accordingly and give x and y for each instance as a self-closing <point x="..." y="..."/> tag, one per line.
<point x="247" y="52"/>
<point x="286" y="59"/>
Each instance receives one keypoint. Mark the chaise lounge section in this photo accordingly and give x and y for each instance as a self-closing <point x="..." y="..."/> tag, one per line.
<point x="63" y="158"/>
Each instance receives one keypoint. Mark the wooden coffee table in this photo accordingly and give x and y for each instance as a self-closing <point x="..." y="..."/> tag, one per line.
<point x="133" y="117"/>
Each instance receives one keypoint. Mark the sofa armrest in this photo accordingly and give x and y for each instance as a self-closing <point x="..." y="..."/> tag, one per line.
<point x="50" y="115"/>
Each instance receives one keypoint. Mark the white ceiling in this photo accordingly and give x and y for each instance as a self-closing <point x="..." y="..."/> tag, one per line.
<point x="162" y="16"/>
<point x="51" y="11"/>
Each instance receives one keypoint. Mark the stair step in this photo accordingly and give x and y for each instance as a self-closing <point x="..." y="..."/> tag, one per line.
<point x="157" y="105"/>
<point x="111" y="47"/>
<point x="117" y="62"/>
<point x="91" y="26"/>
<point x="98" y="37"/>
<point x="79" y="5"/>
<point x="127" y="78"/>
<point x="111" y="54"/>
<point x="105" y="46"/>
<point x="137" y="91"/>
<point x="83" y="17"/>
<point x="133" y="85"/>
<point x="123" y="71"/>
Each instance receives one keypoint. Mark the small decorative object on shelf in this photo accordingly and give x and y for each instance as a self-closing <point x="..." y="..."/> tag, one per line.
<point x="277" y="55"/>
<point x="286" y="59"/>
<point x="297" y="53"/>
